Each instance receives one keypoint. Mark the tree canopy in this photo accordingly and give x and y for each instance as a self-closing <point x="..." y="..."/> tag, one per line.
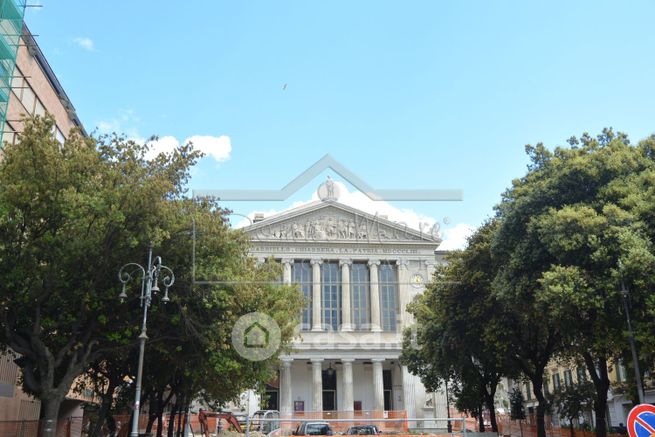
<point x="542" y="280"/>
<point x="70" y="216"/>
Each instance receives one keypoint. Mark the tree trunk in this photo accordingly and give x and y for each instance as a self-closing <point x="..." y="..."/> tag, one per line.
<point x="571" y="428"/>
<point x="160" y="412"/>
<point x="600" y="377"/>
<point x="171" y="419"/>
<point x="600" y="408"/>
<point x="160" y="424"/>
<point x="186" y="417"/>
<point x="521" y="427"/>
<point x="179" y="417"/>
<point x="105" y="406"/>
<point x="537" y="389"/>
<point x="489" y="402"/>
<point x="49" y="412"/>
<point x="152" y="410"/>
<point x="481" y="418"/>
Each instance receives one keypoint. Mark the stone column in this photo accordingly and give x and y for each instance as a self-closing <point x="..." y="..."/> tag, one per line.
<point x="406" y="292"/>
<point x="285" y="387"/>
<point x="430" y="266"/>
<point x="317" y="377"/>
<point x="376" y="326"/>
<point x="346" y="314"/>
<point x="348" y="400"/>
<point x="316" y="295"/>
<point x="409" y="394"/>
<point x="378" y="385"/>
<point x="440" y="409"/>
<point x="286" y="275"/>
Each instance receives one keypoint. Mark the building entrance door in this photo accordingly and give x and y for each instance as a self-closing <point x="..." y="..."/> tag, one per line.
<point x="388" y="398"/>
<point x="329" y="390"/>
<point x="329" y="400"/>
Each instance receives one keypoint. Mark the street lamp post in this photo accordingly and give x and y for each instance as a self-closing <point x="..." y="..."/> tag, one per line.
<point x="633" y="348"/>
<point x="150" y="277"/>
<point x="449" y="426"/>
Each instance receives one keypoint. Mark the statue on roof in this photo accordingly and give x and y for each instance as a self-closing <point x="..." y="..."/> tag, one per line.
<point x="328" y="190"/>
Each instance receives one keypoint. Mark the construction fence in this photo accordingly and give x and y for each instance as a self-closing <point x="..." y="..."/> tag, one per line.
<point x="528" y="428"/>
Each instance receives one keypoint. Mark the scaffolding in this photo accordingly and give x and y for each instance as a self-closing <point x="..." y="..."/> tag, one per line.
<point x="11" y="28"/>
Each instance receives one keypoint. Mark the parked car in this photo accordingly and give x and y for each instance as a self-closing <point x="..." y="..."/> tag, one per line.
<point x="363" y="430"/>
<point x="313" y="428"/>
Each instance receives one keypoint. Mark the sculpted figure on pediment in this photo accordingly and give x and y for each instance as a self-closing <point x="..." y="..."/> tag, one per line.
<point x="298" y="231"/>
<point x="331" y="228"/>
<point x="342" y="229"/>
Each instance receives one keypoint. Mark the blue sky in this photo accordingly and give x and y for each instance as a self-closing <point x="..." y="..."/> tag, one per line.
<point x="405" y="94"/>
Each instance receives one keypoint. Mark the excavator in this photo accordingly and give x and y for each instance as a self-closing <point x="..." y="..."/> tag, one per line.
<point x="230" y="418"/>
<point x="256" y="423"/>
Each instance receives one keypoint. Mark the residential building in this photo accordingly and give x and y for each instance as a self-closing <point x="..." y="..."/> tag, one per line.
<point x="562" y="374"/>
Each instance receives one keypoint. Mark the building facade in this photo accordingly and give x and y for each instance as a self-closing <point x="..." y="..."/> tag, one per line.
<point x="559" y="375"/>
<point x="35" y="90"/>
<point x="357" y="273"/>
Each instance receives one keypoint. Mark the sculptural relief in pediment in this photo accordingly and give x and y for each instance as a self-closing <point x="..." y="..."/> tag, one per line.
<point x="336" y="225"/>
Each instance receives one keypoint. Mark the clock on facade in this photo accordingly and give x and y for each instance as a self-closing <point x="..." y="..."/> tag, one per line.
<point x="417" y="280"/>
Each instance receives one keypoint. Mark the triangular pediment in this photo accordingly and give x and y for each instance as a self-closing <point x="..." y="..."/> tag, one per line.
<point x="336" y="222"/>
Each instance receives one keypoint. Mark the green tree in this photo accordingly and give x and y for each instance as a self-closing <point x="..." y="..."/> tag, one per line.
<point x="517" y="407"/>
<point x="455" y="323"/>
<point x="196" y="326"/>
<point x="569" y="234"/>
<point x="572" y="400"/>
<point x="69" y="216"/>
<point x="469" y="399"/>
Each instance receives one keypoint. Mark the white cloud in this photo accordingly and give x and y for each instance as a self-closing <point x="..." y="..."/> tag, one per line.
<point x="455" y="237"/>
<point x="165" y="144"/>
<point x="85" y="42"/>
<point x="218" y="148"/>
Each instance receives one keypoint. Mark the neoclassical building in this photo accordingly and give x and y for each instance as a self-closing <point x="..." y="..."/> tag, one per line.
<point x="357" y="272"/>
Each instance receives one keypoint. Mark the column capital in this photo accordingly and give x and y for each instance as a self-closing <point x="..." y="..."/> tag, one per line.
<point x="430" y="263"/>
<point x="378" y="360"/>
<point x="374" y="262"/>
<point x="286" y="361"/>
<point x="286" y="260"/>
<point x="316" y="361"/>
<point x="261" y="260"/>
<point x="347" y="360"/>
<point x="315" y="261"/>
<point x="402" y="263"/>
<point x="345" y="261"/>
